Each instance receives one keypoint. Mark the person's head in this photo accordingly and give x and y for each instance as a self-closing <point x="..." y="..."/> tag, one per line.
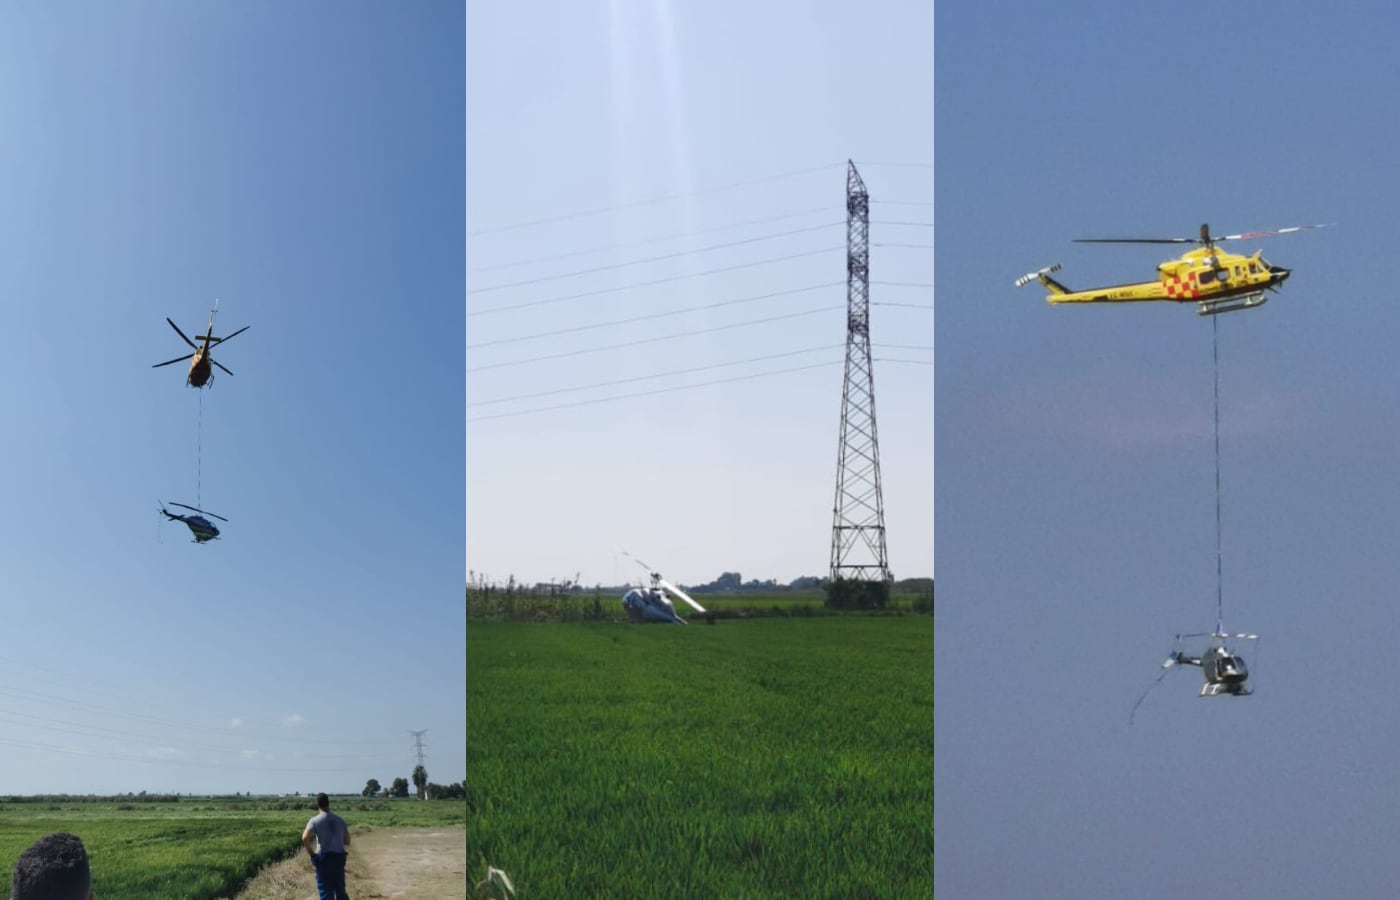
<point x="323" y="802"/>
<point x="55" y="867"/>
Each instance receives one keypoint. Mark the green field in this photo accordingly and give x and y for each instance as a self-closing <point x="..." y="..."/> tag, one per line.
<point x="773" y="757"/>
<point x="195" y="849"/>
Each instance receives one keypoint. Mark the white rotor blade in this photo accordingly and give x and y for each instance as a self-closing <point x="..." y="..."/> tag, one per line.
<point x="1032" y="276"/>
<point x="637" y="561"/>
<point x="1250" y="235"/>
<point x="682" y="594"/>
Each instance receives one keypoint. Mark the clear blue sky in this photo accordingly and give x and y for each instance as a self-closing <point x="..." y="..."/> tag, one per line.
<point x="1076" y="502"/>
<point x="302" y="163"/>
<point x="577" y="108"/>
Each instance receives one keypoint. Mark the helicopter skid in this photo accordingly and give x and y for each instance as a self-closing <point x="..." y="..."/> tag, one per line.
<point x="1232" y="304"/>
<point x="1215" y="690"/>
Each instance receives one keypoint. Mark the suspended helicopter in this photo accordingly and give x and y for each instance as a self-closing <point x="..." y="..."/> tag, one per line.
<point x="202" y="529"/>
<point x="1218" y="281"/>
<point x="1224" y="669"/>
<point x="650" y="604"/>
<point x="200" y="372"/>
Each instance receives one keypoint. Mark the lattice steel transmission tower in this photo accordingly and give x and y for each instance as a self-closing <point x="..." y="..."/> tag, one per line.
<point x="418" y="739"/>
<point x="858" y="527"/>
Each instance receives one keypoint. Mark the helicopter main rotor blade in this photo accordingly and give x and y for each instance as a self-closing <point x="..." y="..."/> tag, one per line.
<point x="1205" y="238"/>
<point x="198" y="510"/>
<point x="682" y="594"/>
<point x="1250" y="235"/>
<point x="1137" y="240"/>
<point x="169" y="361"/>
<point x="181" y="333"/>
<point x="220" y="340"/>
<point x="649" y="569"/>
<point x="219" y="364"/>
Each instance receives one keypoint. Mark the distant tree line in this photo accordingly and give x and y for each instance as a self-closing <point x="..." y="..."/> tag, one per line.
<point x="566" y="602"/>
<point x="423" y="788"/>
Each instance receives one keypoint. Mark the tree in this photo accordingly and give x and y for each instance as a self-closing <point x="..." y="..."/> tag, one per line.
<point x="399" y="788"/>
<point x="420" y="781"/>
<point x="371" y="788"/>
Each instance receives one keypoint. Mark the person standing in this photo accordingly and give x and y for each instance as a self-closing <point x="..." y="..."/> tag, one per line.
<point x="55" y="867"/>
<point x="328" y="856"/>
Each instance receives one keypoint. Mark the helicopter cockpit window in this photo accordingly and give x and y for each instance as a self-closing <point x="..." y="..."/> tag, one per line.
<point x="1254" y="268"/>
<point x="1206" y="277"/>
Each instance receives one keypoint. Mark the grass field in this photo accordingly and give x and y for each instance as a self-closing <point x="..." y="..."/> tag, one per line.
<point x="760" y="758"/>
<point x="195" y="849"/>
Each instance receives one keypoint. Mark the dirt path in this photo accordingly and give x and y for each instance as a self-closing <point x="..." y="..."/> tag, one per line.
<point x="409" y="863"/>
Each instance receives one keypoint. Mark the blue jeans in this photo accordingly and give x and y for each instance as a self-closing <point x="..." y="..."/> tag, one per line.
<point x="330" y="875"/>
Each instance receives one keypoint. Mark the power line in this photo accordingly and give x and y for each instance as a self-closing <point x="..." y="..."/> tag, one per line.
<point x="912" y="362"/>
<point x="899" y="165"/>
<point x="653" y="340"/>
<point x="684" y="387"/>
<point x="589" y="387"/>
<point x="904" y="305"/>
<point x="98" y="731"/>
<point x="73" y="751"/>
<point x="667" y="280"/>
<point x="637" y="262"/>
<point x="636" y="203"/>
<point x="655" y="240"/>
<point x="659" y="315"/>
<point x="50" y="699"/>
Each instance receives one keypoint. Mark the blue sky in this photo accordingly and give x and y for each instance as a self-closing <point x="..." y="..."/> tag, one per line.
<point x="303" y="164"/>
<point x="1077" y="494"/>
<point x="609" y="107"/>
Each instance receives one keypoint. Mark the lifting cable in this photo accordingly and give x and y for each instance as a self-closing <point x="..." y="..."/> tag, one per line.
<point x="1219" y="577"/>
<point x="199" y="454"/>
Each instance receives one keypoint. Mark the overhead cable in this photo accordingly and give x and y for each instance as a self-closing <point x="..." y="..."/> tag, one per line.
<point x="636" y="203"/>
<point x="653" y="340"/>
<point x="658" y="315"/>
<point x="683" y="387"/>
<point x="654" y="240"/>
<point x="667" y="280"/>
<point x="637" y="262"/>
<point x="588" y="387"/>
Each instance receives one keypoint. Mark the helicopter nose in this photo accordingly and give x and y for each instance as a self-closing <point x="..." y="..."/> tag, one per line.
<point x="1280" y="273"/>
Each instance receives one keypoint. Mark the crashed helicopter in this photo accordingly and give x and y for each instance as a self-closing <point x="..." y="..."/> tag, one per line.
<point x="650" y="604"/>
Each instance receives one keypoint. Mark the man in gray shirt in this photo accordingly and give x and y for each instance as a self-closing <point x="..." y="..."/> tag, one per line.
<point x="328" y="856"/>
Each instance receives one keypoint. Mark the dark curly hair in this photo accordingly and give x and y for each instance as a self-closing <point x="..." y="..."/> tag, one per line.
<point x="55" y="867"/>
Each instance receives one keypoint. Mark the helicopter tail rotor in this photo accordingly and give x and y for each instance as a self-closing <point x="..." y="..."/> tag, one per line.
<point x="1039" y="273"/>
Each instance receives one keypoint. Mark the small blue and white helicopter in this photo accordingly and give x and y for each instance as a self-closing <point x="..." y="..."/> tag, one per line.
<point x="650" y="604"/>
<point x="202" y="528"/>
<point x="1224" y="669"/>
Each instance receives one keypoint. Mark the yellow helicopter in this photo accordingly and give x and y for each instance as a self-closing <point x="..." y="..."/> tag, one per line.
<point x="1216" y="280"/>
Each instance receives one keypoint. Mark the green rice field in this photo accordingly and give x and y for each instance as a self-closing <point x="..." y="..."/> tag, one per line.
<point x="195" y="849"/>
<point x="770" y="757"/>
